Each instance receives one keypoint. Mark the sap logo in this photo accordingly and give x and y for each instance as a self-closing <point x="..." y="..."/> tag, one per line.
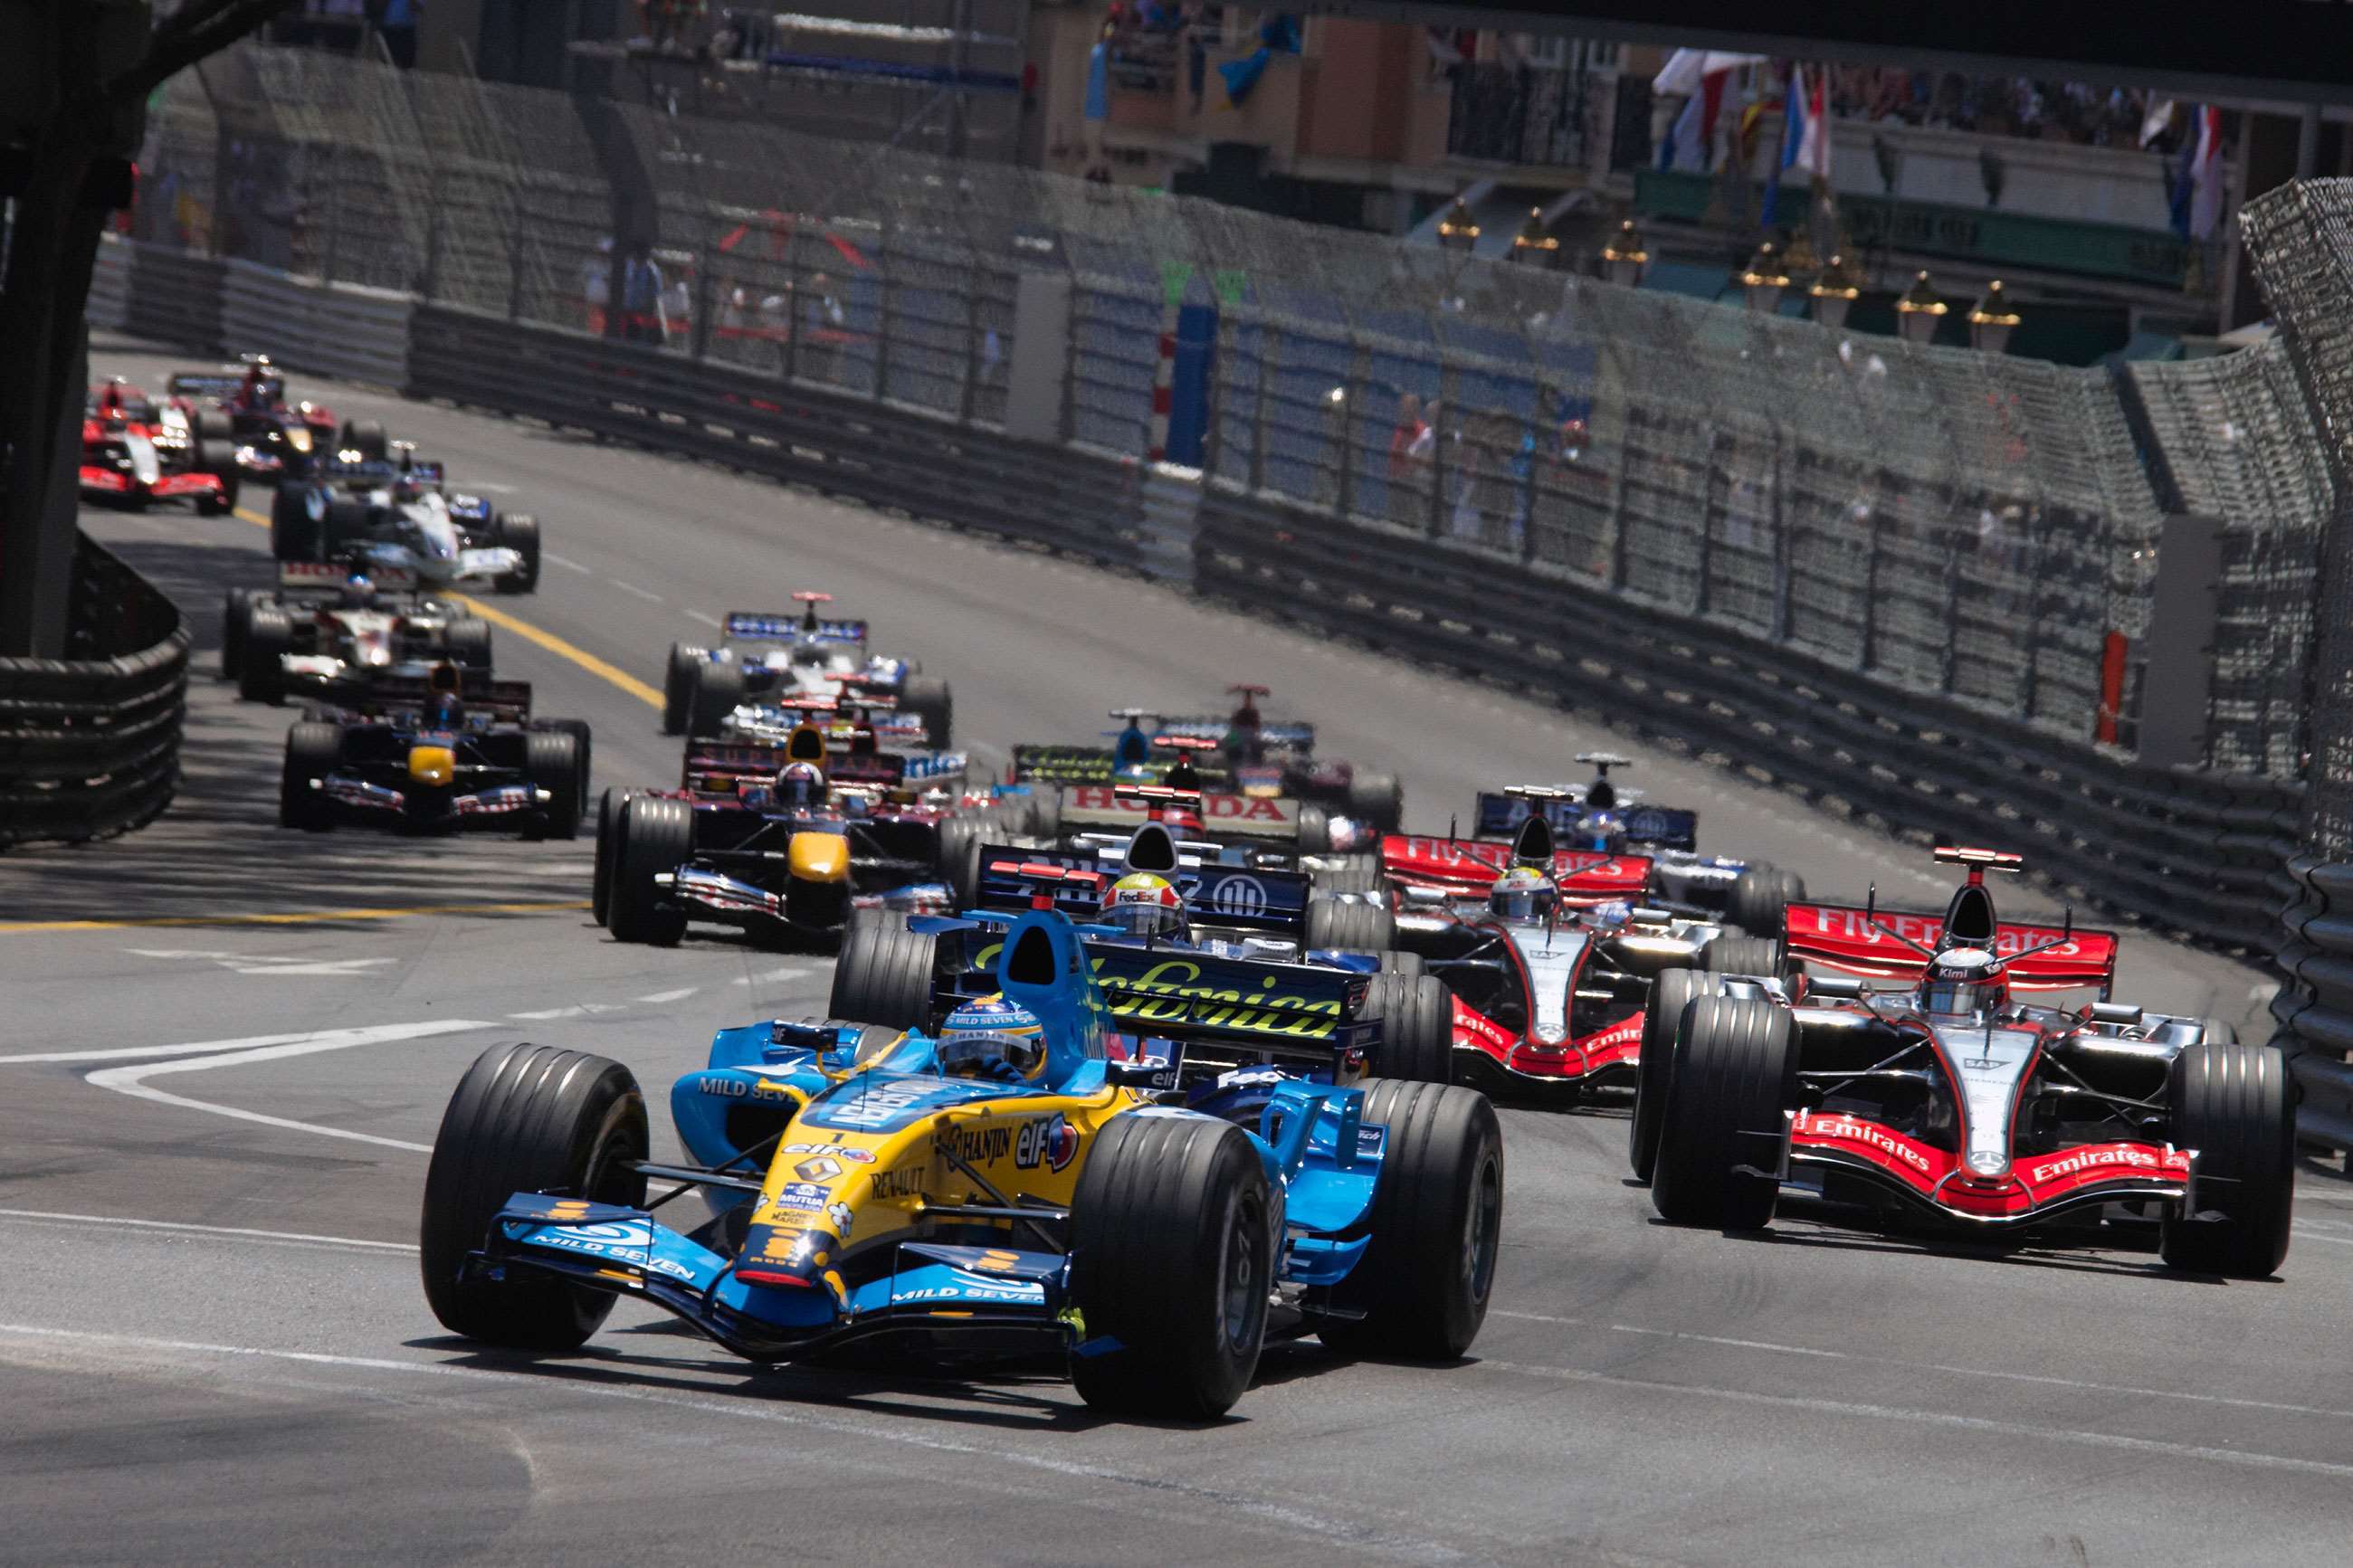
<point x="1048" y="1140"/>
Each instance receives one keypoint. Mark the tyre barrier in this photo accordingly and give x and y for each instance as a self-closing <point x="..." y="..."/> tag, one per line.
<point x="89" y="745"/>
<point x="2315" y="1007"/>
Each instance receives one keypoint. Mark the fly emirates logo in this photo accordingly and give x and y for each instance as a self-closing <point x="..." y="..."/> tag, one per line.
<point x="1847" y="1130"/>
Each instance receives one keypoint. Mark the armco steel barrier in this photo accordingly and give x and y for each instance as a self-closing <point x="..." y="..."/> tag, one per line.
<point x="882" y="453"/>
<point x="175" y="298"/>
<point x="89" y="745"/>
<point x="334" y="328"/>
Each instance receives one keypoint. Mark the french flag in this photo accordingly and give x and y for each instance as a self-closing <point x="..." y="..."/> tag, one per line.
<point x="2206" y="172"/>
<point x="1805" y="136"/>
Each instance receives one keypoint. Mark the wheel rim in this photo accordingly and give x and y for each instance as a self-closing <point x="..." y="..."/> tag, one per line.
<point x="1482" y="1237"/>
<point x="1241" y="1289"/>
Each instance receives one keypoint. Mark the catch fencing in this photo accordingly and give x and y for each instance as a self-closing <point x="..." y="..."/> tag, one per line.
<point x="1922" y="583"/>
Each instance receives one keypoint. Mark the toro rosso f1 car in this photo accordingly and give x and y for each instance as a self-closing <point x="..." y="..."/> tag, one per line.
<point x="1917" y="1077"/>
<point x="778" y="657"/>
<point x="1551" y="960"/>
<point x="452" y="753"/>
<point x="395" y="516"/>
<point x="136" y="452"/>
<point x="332" y="635"/>
<point x="1032" y="1179"/>
<point x="271" y="438"/>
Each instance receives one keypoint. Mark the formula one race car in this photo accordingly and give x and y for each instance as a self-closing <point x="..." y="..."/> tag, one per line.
<point x="1600" y="818"/>
<point x="780" y="840"/>
<point x="1241" y="753"/>
<point x="777" y="658"/>
<point x="135" y="451"/>
<point x="330" y="634"/>
<point x="271" y="438"/>
<point x="393" y="515"/>
<point x="1028" y="1181"/>
<point x="453" y="752"/>
<point x="1946" y="1095"/>
<point x="1552" y="958"/>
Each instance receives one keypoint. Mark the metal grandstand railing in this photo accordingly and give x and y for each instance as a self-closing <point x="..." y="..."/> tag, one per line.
<point x="1948" y="522"/>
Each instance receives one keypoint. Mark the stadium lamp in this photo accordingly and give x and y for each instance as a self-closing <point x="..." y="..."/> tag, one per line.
<point x="1623" y="259"/>
<point x="1835" y="292"/>
<point x="1992" y="321"/>
<point x="1765" y="282"/>
<point x="1534" y="245"/>
<point x="1458" y="230"/>
<point x="1920" y="311"/>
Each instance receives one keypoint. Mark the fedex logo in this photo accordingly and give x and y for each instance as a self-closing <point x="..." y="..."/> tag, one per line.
<point x="1214" y="808"/>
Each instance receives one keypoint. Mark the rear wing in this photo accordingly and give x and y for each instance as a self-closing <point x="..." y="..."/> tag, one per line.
<point x="1234" y="816"/>
<point x="203" y="385"/>
<point x="768" y="625"/>
<point x="1876" y="943"/>
<point x="1584" y="877"/>
<point x="1498" y="814"/>
<point x="322" y="577"/>
<point x="1266" y="901"/>
<point x="1287" y="737"/>
<point x="507" y="702"/>
<point x="367" y="473"/>
<point x="1051" y="764"/>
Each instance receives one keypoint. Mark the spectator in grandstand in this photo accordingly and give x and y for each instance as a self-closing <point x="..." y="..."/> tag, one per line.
<point x="1409" y="449"/>
<point x="822" y="321"/>
<point x="642" y="292"/>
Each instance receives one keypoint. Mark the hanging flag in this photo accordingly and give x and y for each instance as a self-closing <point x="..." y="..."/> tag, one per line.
<point x="1814" y="143"/>
<point x="2154" y="124"/>
<point x="1699" y="76"/>
<point x="2206" y="174"/>
<point x="1793" y="131"/>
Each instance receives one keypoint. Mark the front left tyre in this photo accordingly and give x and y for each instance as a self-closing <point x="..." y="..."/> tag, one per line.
<point x="526" y="1118"/>
<point x="656" y="835"/>
<point x="311" y="753"/>
<point x="552" y="763"/>
<point x="519" y="531"/>
<point x="1720" y="1139"/>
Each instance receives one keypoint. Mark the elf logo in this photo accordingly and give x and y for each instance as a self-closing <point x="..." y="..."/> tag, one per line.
<point x="1048" y="1140"/>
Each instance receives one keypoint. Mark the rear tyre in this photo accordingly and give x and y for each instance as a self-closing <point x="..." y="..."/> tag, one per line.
<point x="1348" y="874"/>
<point x="717" y="690"/>
<point x="269" y="635"/>
<point x="1045" y="811"/>
<point x="884" y="974"/>
<point x="1348" y="926"/>
<point x="520" y="533"/>
<point x="1396" y="963"/>
<point x="934" y="702"/>
<point x="1759" y="894"/>
<point x="366" y="437"/>
<point x="2234" y="1105"/>
<point x="468" y="642"/>
<point x="552" y="762"/>
<point x="1758" y="955"/>
<point x="294" y="533"/>
<point x="1736" y="1069"/>
<point x="961" y="841"/>
<point x="236" y="615"/>
<point x="608" y="844"/>
<point x="526" y="1118"/>
<point x="1417" y="1014"/>
<point x="656" y="835"/>
<point x="1314" y="828"/>
<point x="214" y="425"/>
<point x="1437" y="1220"/>
<point x="1172" y="1252"/>
<point x="311" y="751"/>
<point x="1654" y="1066"/>
<point x="1377" y="800"/>
<point x="678" y="686"/>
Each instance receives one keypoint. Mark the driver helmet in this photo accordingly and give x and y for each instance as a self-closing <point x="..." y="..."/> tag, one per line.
<point x="1963" y="981"/>
<point x="358" y="592"/>
<point x="1601" y="830"/>
<point x="110" y="396"/>
<point x="407" y="489"/>
<point x="1144" y="905"/>
<point x="800" y="784"/>
<point x="442" y="712"/>
<point x="1523" y="893"/>
<point x="993" y="1038"/>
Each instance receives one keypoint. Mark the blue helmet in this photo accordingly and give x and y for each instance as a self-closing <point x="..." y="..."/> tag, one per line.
<point x="995" y="1038"/>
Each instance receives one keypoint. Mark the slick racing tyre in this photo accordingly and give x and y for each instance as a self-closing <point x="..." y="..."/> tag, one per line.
<point x="581" y="738"/>
<point x="656" y="835"/>
<point x="526" y="1118"/>
<point x="1662" y="1015"/>
<point x="1045" y="811"/>
<point x="311" y="753"/>
<point x="468" y="642"/>
<point x="1348" y="926"/>
<point x="269" y="635"/>
<point x="214" y="425"/>
<point x="1759" y="894"/>
<point x="1417" y="1014"/>
<point x="1757" y="955"/>
<point x="552" y="762"/>
<point x="716" y="692"/>
<point x="932" y="700"/>
<point x="2234" y="1105"/>
<point x="1395" y="962"/>
<point x="519" y="531"/>
<point x="220" y="461"/>
<point x="1348" y="874"/>
<point x="1173" y="1235"/>
<point x="344" y="527"/>
<point x="962" y="838"/>
<point x="366" y="437"/>
<point x="608" y="845"/>
<point x="884" y="974"/>
<point x="1735" y="1072"/>
<point x="1376" y="800"/>
<point x="678" y="686"/>
<point x="1437" y="1221"/>
<point x="293" y="529"/>
<point x="1315" y="829"/>
<point x="236" y="615"/>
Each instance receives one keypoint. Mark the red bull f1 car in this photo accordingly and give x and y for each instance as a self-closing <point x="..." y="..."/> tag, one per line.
<point x="775" y="659"/>
<point x="1048" y="1174"/>
<point x="1917" y="1076"/>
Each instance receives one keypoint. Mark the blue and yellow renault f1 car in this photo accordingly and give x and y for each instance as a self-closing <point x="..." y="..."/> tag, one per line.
<point x="1153" y="1223"/>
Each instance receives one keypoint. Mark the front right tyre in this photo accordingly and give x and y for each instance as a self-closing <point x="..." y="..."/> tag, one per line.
<point x="2234" y="1105"/>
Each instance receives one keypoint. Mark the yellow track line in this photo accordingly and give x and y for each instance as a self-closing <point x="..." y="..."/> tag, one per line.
<point x="531" y="634"/>
<point x="304" y="917"/>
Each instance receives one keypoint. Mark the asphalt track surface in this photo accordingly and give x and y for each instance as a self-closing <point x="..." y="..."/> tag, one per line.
<point x="227" y="1048"/>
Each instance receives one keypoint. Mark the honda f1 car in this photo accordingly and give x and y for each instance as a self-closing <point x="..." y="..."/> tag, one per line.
<point x="1916" y="1077"/>
<point x="135" y="451"/>
<point x="329" y="634"/>
<point x="1030" y="1180"/>
<point x="270" y="437"/>
<point x="777" y="658"/>
<point x="393" y="515"/>
<point x="453" y="752"/>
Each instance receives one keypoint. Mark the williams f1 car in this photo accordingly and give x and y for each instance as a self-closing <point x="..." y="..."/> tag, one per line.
<point x="1916" y="1077"/>
<point x="775" y="659"/>
<point x="393" y="515"/>
<point x="1030" y="1180"/>
<point x="328" y="635"/>
<point x="136" y="452"/>
<point x="454" y="751"/>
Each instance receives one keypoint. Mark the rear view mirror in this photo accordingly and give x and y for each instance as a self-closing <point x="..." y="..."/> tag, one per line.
<point x="2115" y="1013"/>
<point x="1837" y="988"/>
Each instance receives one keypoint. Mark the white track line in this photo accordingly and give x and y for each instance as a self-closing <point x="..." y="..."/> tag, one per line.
<point x="129" y="1080"/>
<point x="103" y="1220"/>
<point x="680" y="994"/>
<point x="127" y="1053"/>
<point x="633" y="588"/>
<point x="567" y="563"/>
<point x="584" y="1009"/>
<point x="701" y="619"/>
